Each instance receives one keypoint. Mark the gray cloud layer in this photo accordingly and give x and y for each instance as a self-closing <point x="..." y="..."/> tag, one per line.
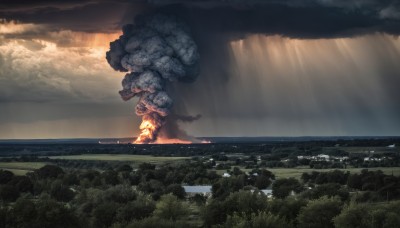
<point x="295" y="18"/>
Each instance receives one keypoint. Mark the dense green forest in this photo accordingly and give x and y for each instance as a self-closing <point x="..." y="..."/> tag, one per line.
<point x="152" y="196"/>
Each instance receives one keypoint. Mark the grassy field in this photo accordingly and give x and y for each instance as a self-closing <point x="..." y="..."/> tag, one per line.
<point x="120" y="157"/>
<point x="296" y="172"/>
<point x="19" y="172"/>
<point x="21" y="168"/>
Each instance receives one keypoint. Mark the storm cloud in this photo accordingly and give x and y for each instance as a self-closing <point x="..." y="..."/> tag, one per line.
<point x="292" y="18"/>
<point x="268" y="67"/>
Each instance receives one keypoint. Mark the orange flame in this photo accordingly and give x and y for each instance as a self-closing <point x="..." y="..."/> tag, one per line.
<point x="147" y="129"/>
<point x="171" y="141"/>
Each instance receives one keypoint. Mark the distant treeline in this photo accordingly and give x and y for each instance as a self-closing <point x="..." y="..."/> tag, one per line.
<point x="266" y="147"/>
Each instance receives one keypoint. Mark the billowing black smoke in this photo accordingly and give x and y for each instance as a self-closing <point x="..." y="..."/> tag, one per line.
<point x="157" y="49"/>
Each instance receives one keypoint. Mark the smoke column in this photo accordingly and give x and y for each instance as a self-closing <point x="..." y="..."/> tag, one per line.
<point x="155" y="50"/>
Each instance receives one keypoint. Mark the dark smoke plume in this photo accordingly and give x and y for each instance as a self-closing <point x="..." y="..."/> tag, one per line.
<point x="171" y="129"/>
<point x="155" y="50"/>
<point x="188" y="119"/>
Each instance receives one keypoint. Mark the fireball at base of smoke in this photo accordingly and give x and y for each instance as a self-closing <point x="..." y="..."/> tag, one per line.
<point x="155" y="50"/>
<point x="149" y="128"/>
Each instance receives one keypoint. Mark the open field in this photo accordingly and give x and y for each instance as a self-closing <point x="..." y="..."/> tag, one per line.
<point x="296" y="172"/>
<point x="18" y="172"/>
<point x="21" y="168"/>
<point x="120" y="157"/>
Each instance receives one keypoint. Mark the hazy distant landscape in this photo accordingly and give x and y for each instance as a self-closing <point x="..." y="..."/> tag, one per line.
<point x="247" y="139"/>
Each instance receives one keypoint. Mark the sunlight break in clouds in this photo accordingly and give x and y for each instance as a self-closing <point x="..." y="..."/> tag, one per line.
<point x="42" y="70"/>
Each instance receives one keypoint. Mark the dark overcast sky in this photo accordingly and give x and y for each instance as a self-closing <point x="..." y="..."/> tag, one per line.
<point x="269" y="67"/>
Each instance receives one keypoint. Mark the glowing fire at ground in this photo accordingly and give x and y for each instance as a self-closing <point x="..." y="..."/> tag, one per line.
<point x="174" y="141"/>
<point x="143" y="138"/>
<point x="149" y="130"/>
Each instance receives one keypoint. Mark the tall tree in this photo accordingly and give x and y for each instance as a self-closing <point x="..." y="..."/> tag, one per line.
<point x="319" y="213"/>
<point x="170" y="207"/>
<point x="282" y="188"/>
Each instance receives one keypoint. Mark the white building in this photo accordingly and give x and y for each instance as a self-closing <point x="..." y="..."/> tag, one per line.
<point x="323" y="157"/>
<point x="198" y="189"/>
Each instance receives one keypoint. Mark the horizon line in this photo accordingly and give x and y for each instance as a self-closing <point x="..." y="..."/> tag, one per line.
<point x="305" y="136"/>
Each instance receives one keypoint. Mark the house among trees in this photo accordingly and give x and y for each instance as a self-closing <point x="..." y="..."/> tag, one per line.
<point x="204" y="190"/>
<point x="392" y="146"/>
<point x="322" y="157"/>
<point x="267" y="192"/>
